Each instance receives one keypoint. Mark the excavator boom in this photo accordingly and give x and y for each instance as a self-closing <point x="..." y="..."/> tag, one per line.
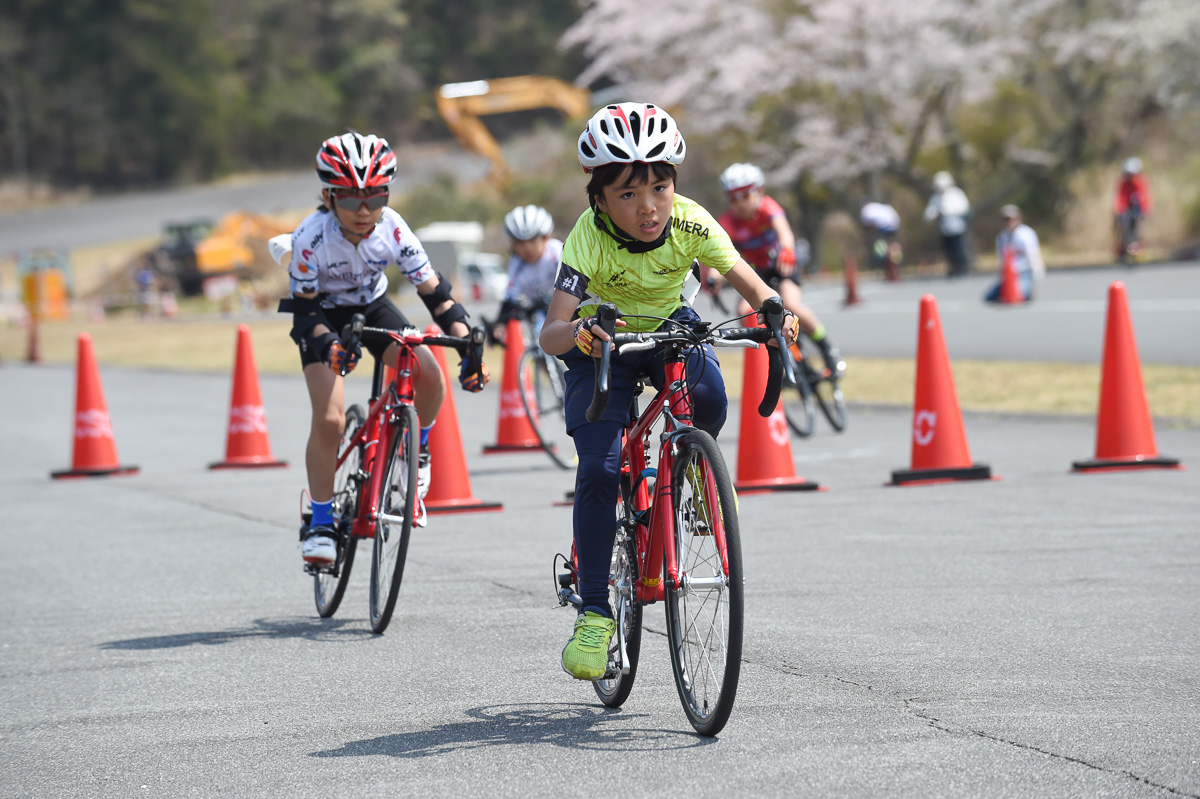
<point x="461" y="105"/>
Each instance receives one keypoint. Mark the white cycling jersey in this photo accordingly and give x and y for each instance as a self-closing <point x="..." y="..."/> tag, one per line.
<point x="323" y="261"/>
<point x="534" y="281"/>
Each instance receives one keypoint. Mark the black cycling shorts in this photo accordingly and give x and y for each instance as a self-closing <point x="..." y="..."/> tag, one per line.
<point x="770" y="275"/>
<point x="379" y="313"/>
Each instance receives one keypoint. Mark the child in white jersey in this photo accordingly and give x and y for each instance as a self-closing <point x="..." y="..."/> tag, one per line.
<point x="533" y="266"/>
<point x="339" y="254"/>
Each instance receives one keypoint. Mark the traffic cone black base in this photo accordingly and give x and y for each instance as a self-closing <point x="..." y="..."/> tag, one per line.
<point x="113" y="472"/>
<point x="780" y="484"/>
<point x="1121" y="464"/>
<point x="976" y="471"/>
<point x="466" y="505"/>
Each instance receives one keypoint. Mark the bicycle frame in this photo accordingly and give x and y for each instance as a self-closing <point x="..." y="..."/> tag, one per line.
<point x="375" y="436"/>
<point x="656" y="539"/>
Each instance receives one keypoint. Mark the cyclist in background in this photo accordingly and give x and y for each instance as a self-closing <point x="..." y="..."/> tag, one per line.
<point x="339" y="254"/>
<point x="759" y="229"/>
<point x="534" y="263"/>
<point x="1131" y="205"/>
<point x="633" y="247"/>
<point x="881" y="225"/>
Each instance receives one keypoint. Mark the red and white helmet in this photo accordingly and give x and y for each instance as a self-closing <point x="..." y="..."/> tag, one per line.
<point x="742" y="176"/>
<point x="354" y="161"/>
<point x="627" y="133"/>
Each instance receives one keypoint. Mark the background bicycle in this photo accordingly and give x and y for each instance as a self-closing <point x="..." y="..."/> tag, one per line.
<point x="677" y="539"/>
<point x="814" y="386"/>
<point x="543" y="383"/>
<point x="375" y="484"/>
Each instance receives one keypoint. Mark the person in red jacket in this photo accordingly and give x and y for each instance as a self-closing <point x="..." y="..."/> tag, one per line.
<point x="1131" y="205"/>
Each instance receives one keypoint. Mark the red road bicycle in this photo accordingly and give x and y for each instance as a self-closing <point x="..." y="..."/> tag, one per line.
<point x="678" y="539"/>
<point x="375" y="485"/>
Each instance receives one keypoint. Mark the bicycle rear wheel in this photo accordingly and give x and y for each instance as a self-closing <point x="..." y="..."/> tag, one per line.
<point x="827" y="393"/>
<point x="627" y="610"/>
<point x="396" y="507"/>
<point x="798" y="405"/>
<point x="330" y="585"/>
<point x="543" y="387"/>
<point x="704" y="611"/>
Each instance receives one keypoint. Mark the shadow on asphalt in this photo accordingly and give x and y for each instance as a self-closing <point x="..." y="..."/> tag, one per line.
<point x="569" y="726"/>
<point x="310" y="629"/>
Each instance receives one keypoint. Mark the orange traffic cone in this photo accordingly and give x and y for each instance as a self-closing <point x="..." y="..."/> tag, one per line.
<point x="514" y="433"/>
<point x="95" y="452"/>
<point x="449" y="483"/>
<point x="1010" y="291"/>
<point x="1124" y="432"/>
<point x="246" y="444"/>
<point x="850" y="270"/>
<point x="939" y="448"/>
<point x="764" y="446"/>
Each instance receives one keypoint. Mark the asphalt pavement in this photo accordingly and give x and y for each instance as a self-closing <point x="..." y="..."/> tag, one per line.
<point x="1032" y="636"/>
<point x="1064" y="323"/>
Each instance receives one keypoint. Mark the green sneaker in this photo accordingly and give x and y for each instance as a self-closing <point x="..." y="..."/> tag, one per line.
<point x="585" y="657"/>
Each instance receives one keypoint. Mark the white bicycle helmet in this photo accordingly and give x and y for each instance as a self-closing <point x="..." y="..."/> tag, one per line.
<point x="354" y="161"/>
<point x="742" y="176"/>
<point x="1132" y="166"/>
<point x="527" y="222"/>
<point x="627" y="133"/>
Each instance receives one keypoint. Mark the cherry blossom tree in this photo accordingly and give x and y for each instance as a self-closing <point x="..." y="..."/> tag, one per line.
<point x="839" y="98"/>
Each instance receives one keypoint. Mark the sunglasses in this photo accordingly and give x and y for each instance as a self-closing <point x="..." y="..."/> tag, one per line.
<point x="354" y="203"/>
<point x="740" y="194"/>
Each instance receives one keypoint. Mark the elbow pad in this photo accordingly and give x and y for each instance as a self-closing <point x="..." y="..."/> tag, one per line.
<point x="440" y="295"/>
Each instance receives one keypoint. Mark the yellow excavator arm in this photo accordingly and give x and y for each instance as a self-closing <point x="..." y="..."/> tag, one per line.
<point x="461" y="105"/>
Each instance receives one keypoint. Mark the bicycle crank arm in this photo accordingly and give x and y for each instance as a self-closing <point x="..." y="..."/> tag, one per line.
<point x="623" y="666"/>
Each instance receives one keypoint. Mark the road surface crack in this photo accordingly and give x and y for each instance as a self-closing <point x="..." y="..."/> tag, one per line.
<point x="938" y="724"/>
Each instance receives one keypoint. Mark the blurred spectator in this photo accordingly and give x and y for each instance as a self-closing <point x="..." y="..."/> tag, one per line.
<point x="147" y="290"/>
<point x="1131" y="205"/>
<point x="1018" y="241"/>
<point x="881" y="225"/>
<point x="949" y="207"/>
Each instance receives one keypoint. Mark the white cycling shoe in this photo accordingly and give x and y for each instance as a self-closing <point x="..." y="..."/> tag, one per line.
<point x="319" y="549"/>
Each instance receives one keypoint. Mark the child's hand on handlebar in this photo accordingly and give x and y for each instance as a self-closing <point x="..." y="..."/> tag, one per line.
<point x="341" y="360"/>
<point x="472" y="375"/>
<point x="589" y="335"/>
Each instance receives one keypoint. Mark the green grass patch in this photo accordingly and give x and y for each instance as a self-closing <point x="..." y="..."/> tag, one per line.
<point x="207" y="345"/>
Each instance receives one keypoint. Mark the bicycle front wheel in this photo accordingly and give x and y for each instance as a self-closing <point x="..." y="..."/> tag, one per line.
<point x="542" y="389"/>
<point x="330" y="585"/>
<point x="704" y="608"/>
<point x="396" y="507"/>
<point x="626" y="645"/>
<point x="828" y="395"/>
<point x="798" y="405"/>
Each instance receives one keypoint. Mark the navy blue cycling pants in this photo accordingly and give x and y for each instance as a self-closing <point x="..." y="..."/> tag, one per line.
<point x="598" y="444"/>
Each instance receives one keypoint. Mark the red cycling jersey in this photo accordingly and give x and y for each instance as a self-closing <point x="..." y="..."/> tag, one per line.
<point x="755" y="238"/>
<point x="1131" y="187"/>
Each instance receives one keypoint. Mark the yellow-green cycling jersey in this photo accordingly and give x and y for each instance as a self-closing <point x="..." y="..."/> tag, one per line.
<point x="596" y="269"/>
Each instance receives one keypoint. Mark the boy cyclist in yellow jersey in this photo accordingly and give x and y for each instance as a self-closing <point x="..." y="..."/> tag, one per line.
<point x="633" y="247"/>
